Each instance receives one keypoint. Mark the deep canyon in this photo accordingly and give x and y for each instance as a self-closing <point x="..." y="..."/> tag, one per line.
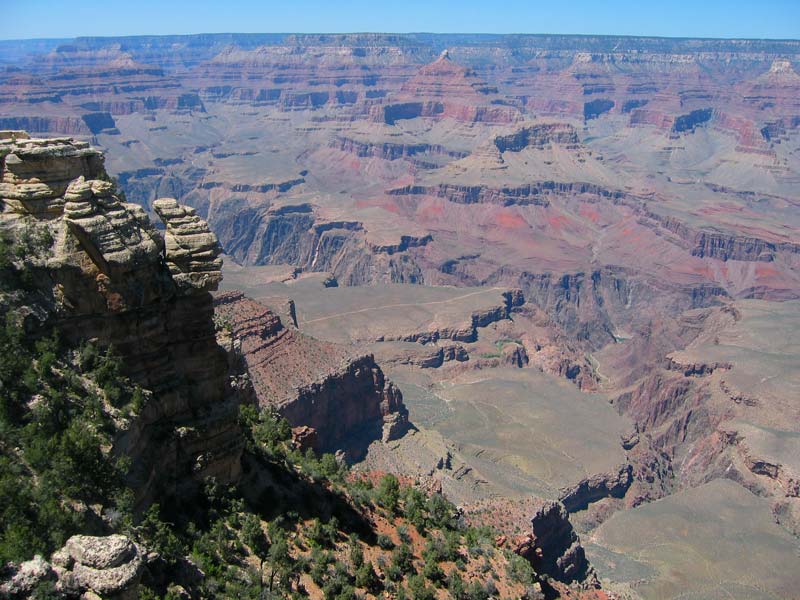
<point x="555" y="278"/>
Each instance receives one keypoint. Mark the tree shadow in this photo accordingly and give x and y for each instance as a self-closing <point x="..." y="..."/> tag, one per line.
<point x="271" y="489"/>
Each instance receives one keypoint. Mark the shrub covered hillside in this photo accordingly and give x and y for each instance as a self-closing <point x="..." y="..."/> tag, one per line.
<point x="315" y="529"/>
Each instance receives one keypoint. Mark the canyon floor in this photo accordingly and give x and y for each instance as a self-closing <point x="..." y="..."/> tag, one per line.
<point x="489" y="428"/>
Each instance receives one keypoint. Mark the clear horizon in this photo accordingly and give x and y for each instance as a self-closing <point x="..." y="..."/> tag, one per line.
<point x="769" y="19"/>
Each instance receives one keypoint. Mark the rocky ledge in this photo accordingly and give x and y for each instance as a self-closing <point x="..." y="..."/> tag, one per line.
<point x="341" y="397"/>
<point x="613" y="484"/>
<point x="539" y="135"/>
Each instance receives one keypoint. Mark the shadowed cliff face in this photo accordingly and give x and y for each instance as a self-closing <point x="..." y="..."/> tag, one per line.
<point x="110" y="277"/>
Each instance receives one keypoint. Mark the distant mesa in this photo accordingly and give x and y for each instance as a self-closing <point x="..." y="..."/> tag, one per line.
<point x="444" y="89"/>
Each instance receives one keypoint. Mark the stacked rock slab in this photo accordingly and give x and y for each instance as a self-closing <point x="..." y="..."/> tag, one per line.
<point x="116" y="237"/>
<point x="109" y="276"/>
<point x="192" y="250"/>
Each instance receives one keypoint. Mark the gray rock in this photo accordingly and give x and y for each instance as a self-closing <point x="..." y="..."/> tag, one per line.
<point x="26" y="578"/>
<point x="104" y="565"/>
<point x="101" y="552"/>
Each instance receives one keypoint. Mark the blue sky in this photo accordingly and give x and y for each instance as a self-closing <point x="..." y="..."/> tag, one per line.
<point x="681" y="18"/>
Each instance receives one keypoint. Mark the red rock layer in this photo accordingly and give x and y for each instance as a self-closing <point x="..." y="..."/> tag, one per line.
<point x="342" y="395"/>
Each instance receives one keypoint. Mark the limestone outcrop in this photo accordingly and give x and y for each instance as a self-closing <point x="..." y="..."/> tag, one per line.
<point x="192" y="250"/>
<point x="87" y="566"/>
<point x="116" y="236"/>
<point x="99" y="270"/>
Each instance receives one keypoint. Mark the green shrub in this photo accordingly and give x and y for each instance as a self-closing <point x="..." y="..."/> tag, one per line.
<point x="267" y="430"/>
<point x="414" y="508"/>
<point x="367" y="578"/>
<point x="393" y="572"/>
<point x="455" y="585"/>
<point x="252" y="534"/>
<point x="54" y="432"/>
<point x="402" y="532"/>
<point x="323" y="534"/>
<point x="476" y="591"/>
<point x="432" y="571"/>
<point x="320" y="559"/>
<point x="441" y="512"/>
<point x="388" y="493"/>
<point x="159" y="536"/>
<point x="419" y="589"/>
<point x="403" y="558"/>
<point x="356" y="554"/>
<point x="520" y="570"/>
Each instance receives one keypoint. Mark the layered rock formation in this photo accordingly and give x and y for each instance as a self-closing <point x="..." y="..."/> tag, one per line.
<point x="537" y="136"/>
<point x="341" y="398"/>
<point x="393" y="225"/>
<point x="192" y="251"/>
<point x="445" y="89"/>
<point x="651" y="82"/>
<point x="722" y="404"/>
<point x="97" y="85"/>
<point x="297" y="235"/>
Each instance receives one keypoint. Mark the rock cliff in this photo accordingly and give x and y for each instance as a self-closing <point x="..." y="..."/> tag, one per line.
<point x="297" y="235"/>
<point x="102" y="272"/>
<point x="553" y="546"/>
<point x="342" y="396"/>
<point x="537" y="136"/>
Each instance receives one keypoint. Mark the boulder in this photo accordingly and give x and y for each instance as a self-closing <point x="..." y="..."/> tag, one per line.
<point x="109" y="566"/>
<point x="24" y="578"/>
<point x="87" y="566"/>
